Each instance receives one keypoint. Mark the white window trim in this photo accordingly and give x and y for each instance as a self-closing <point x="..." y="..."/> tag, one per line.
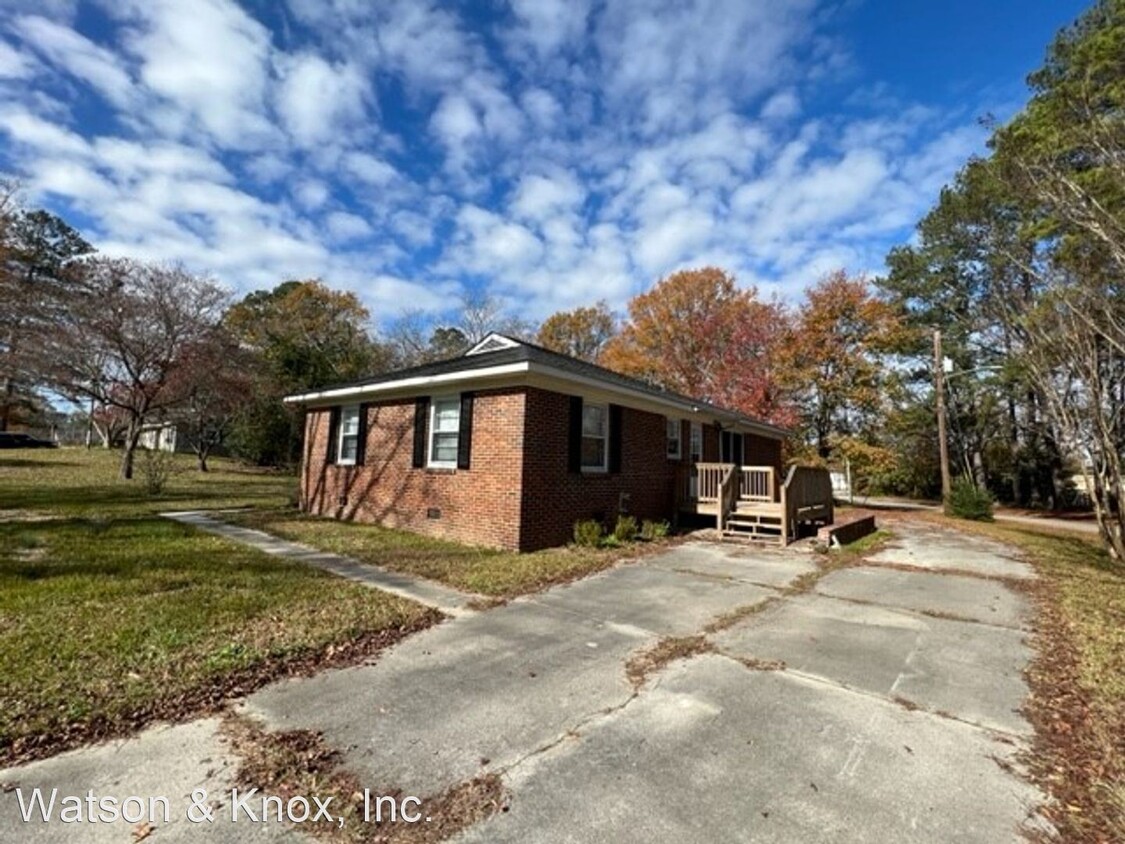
<point x="431" y="431"/>
<point x="604" y="468"/>
<point x="340" y="459"/>
<point x="678" y="454"/>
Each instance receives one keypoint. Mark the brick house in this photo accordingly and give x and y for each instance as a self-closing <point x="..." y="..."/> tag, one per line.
<point x="511" y="444"/>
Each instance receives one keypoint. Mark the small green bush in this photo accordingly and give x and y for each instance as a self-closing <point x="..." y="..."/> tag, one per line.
<point x="968" y="501"/>
<point x="588" y="533"/>
<point x="157" y="468"/>
<point x="625" y="530"/>
<point x="651" y="531"/>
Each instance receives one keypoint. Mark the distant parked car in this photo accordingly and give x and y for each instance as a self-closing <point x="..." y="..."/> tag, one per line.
<point x="10" y="440"/>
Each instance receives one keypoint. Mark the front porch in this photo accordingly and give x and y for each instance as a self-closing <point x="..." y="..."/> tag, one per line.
<point x="748" y="501"/>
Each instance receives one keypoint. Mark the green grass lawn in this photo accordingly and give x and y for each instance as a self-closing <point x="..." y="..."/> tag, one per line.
<point x="1077" y="678"/>
<point x="111" y="617"/>
<point x="500" y="574"/>
<point x="77" y="482"/>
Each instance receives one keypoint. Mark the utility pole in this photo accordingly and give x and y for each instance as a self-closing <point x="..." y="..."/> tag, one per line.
<point x="939" y="391"/>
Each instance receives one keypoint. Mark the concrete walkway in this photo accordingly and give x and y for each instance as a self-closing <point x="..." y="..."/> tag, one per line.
<point x="450" y="601"/>
<point x="881" y="705"/>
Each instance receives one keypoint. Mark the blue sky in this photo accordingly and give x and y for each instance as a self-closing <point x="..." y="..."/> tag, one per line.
<point x="549" y="152"/>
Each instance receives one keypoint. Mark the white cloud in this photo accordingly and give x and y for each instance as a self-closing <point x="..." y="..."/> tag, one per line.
<point x="547" y="26"/>
<point x="209" y="63"/>
<point x="311" y="193"/>
<point x="80" y="57"/>
<point x="344" y="226"/>
<point x="537" y="196"/>
<point x="369" y="169"/>
<point x="675" y="62"/>
<point x="490" y="246"/>
<point x="320" y="102"/>
<point x="14" y="64"/>
<point x="781" y="106"/>
<point x="455" y="122"/>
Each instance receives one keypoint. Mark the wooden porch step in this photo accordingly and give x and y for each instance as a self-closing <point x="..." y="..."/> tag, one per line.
<point x="754" y="516"/>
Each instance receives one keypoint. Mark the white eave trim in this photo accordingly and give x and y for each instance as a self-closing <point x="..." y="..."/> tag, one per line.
<point x="327" y="396"/>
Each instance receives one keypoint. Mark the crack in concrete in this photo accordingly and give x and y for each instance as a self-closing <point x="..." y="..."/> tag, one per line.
<point x="943" y="616"/>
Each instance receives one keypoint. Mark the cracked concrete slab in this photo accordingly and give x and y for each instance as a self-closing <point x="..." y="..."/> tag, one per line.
<point x="493" y="687"/>
<point x="650" y="597"/>
<point x="163" y="761"/>
<point x="972" y="671"/>
<point x="762" y="566"/>
<point x="974" y="598"/>
<point x="930" y="547"/>
<point x="715" y="752"/>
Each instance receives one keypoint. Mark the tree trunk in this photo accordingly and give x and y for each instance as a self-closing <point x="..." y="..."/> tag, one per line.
<point x="6" y="406"/>
<point x="201" y="455"/>
<point x="1014" y="452"/>
<point x="131" y="438"/>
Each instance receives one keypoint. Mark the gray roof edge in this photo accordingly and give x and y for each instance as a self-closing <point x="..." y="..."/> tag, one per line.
<point x="484" y="364"/>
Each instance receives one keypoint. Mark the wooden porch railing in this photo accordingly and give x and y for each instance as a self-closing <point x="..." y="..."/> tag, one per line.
<point x="757" y="483"/>
<point x="703" y="482"/>
<point x="719" y="488"/>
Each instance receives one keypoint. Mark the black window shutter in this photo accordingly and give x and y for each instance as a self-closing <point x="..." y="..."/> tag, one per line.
<point x="465" y="432"/>
<point x="333" y="433"/>
<point x="615" y="417"/>
<point x="421" y="412"/>
<point x="574" y="438"/>
<point x="361" y="442"/>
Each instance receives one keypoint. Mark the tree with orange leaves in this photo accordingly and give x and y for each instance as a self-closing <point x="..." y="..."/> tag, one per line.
<point x="580" y="333"/>
<point x="833" y="361"/>
<point x="697" y="333"/>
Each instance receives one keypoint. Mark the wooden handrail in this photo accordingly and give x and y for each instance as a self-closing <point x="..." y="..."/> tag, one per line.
<point x="728" y="491"/>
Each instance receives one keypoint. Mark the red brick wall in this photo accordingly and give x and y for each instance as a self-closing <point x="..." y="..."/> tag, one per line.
<point x="762" y="451"/>
<point x="555" y="498"/>
<point x="479" y="505"/>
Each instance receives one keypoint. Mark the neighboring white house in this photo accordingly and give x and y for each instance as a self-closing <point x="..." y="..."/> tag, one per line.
<point x="159" y="436"/>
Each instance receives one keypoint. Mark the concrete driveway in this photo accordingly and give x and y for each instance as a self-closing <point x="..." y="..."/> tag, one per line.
<point x="894" y="718"/>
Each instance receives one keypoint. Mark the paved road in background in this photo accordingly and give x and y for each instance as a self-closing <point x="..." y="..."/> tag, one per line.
<point x="1077" y="525"/>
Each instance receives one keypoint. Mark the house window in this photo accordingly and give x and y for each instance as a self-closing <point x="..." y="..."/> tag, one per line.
<point x="595" y="437"/>
<point x="445" y="429"/>
<point x="675" y="446"/>
<point x="696" y="444"/>
<point x="349" y="435"/>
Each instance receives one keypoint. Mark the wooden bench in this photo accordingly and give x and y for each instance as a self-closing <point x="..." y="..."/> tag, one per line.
<point x="846" y="532"/>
